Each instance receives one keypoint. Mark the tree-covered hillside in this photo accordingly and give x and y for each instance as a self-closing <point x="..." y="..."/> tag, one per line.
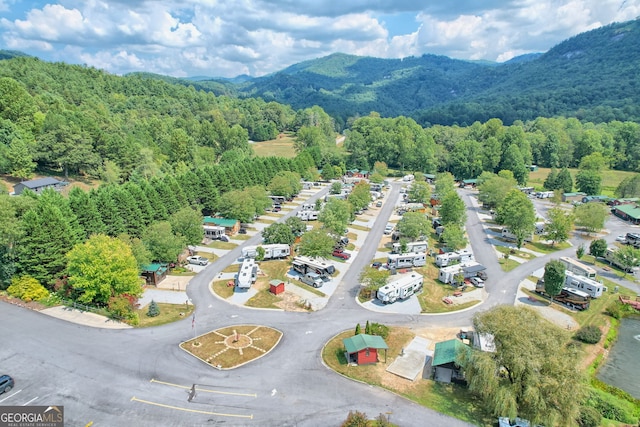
<point x="591" y="76"/>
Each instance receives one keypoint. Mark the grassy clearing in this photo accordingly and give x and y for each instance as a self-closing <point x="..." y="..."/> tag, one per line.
<point x="219" y="244"/>
<point x="545" y="248"/>
<point x="514" y="252"/>
<point x="279" y="147"/>
<point x="242" y="237"/>
<point x="610" y="179"/>
<point x="233" y="346"/>
<point x="308" y="288"/>
<point x="231" y="268"/>
<point x="168" y="313"/>
<point x="266" y="220"/>
<point x="263" y="299"/>
<point x="359" y="227"/>
<point x="221" y="289"/>
<point x="507" y="264"/>
<point x="451" y="400"/>
<point x="182" y="271"/>
<point x="434" y="291"/>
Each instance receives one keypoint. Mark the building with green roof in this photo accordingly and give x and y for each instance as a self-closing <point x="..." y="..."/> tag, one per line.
<point x="363" y="348"/>
<point x="231" y="226"/>
<point x="629" y="213"/>
<point x="154" y="273"/>
<point x="445" y="367"/>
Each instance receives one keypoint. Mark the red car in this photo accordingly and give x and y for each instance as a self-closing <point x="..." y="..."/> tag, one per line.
<point x="341" y="254"/>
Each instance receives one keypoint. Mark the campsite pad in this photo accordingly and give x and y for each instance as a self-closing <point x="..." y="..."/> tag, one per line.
<point x="411" y="364"/>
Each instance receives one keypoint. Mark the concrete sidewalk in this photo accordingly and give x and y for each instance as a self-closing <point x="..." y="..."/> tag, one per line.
<point x="84" y="318"/>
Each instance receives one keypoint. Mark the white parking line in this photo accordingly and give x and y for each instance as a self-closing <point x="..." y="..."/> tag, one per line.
<point x="25" y="404"/>
<point x="11" y="395"/>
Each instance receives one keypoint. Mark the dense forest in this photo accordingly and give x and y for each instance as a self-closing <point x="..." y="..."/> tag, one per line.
<point x="592" y="76"/>
<point x="166" y="154"/>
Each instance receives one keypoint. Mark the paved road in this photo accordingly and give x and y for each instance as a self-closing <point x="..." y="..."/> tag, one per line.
<point x="140" y="376"/>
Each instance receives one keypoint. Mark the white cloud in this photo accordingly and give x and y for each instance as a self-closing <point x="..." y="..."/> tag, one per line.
<point x="227" y="38"/>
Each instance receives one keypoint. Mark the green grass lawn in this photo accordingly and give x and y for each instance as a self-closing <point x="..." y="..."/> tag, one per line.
<point x="219" y="244"/>
<point x="279" y="147"/>
<point x="168" y="313"/>
<point x="545" y="248"/>
<point x="610" y="179"/>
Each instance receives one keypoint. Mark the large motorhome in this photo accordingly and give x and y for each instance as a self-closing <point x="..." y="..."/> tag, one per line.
<point x="406" y="260"/>
<point x="578" y="268"/>
<point x="401" y="288"/>
<point x="412" y="247"/>
<point x="568" y="296"/>
<point x="633" y="239"/>
<point x="304" y="265"/>
<point x="273" y="251"/>
<point x="308" y="215"/>
<point x="213" y="232"/>
<point x="610" y="256"/>
<point x="247" y="274"/>
<point x="442" y="260"/>
<point x="467" y="269"/>
<point x="507" y="234"/>
<point x="582" y="283"/>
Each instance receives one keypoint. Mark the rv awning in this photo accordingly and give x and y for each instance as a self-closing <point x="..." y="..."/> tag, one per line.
<point x="474" y="268"/>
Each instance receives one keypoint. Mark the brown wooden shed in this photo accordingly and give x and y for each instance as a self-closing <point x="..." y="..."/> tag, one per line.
<point x="276" y="286"/>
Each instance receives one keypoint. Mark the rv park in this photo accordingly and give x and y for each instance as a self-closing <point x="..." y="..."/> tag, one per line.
<point x="428" y="303"/>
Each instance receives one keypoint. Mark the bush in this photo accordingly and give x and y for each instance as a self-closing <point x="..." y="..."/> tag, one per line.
<point x="380" y="330"/>
<point x="27" y="289"/>
<point x="121" y="308"/>
<point x="355" y="419"/>
<point x="610" y="407"/>
<point x="614" y="309"/>
<point x="589" y="417"/>
<point x="589" y="334"/>
<point x="153" y="310"/>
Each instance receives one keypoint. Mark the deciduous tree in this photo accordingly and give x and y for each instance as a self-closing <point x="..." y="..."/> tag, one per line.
<point x="452" y="210"/>
<point x="316" y="243"/>
<point x="162" y="243"/>
<point x="559" y="226"/>
<point x="532" y="374"/>
<point x="413" y="225"/>
<point x="278" y="233"/>
<point x="101" y="268"/>
<point x="554" y="274"/>
<point x="598" y="248"/>
<point x="187" y="222"/>
<point x="518" y="214"/>
<point x="591" y="216"/>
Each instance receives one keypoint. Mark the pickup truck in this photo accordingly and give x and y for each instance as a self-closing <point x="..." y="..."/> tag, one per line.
<point x="339" y="253"/>
<point x="198" y="260"/>
<point x="312" y="279"/>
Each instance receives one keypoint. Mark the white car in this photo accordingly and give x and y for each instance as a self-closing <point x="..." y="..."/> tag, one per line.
<point x="477" y="282"/>
<point x="388" y="229"/>
<point x="198" y="260"/>
<point x="621" y="238"/>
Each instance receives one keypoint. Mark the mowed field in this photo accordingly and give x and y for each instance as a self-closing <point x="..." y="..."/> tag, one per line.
<point x="280" y="147"/>
<point x="610" y="179"/>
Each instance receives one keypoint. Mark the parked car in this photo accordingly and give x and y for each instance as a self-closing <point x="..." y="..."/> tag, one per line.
<point x="477" y="282"/>
<point x="376" y="264"/>
<point x="388" y="229"/>
<point x="198" y="260"/>
<point x="379" y="204"/>
<point x="242" y="231"/>
<point x="338" y="253"/>
<point x="6" y="384"/>
<point x="622" y="238"/>
<point x="224" y="238"/>
<point x="277" y="208"/>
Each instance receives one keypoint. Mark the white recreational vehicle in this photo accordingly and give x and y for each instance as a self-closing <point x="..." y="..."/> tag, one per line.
<point x="304" y="265"/>
<point x="507" y="234"/>
<point x="577" y="267"/>
<point x="407" y="260"/>
<point x="401" y="288"/>
<point x="273" y="251"/>
<point x="308" y="215"/>
<point x="213" y="232"/>
<point x="584" y="284"/>
<point x="412" y="247"/>
<point x="467" y="269"/>
<point x="610" y="256"/>
<point x="443" y="260"/>
<point x="247" y="274"/>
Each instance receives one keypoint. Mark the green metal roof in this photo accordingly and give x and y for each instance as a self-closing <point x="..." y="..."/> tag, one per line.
<point x="447" y="351"/>
<point x="155" y="267"/>
<point x="632" y="211"/>
<point x="574" y="194"/>
<point x="275" y="282"/>
<point x="361" y="341"/>
<point x="222" y="222"/>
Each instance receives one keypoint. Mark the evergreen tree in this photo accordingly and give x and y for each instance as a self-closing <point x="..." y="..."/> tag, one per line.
<point x="130" y="213"/>
<point x="209" y="195"/>
<point x="109" y="212"/>
<point x="84" y="207"/>
<point x="159" y="209"/>
<point x="46" y="237"/>
<point x="165" y="196"/>
<point x="146" y="210"/>
<point x="358" y="331"/>
<point x="153" y="310"/>
<point x="367" y="328"/>
<point x="564" y="181"/>
<point x="550" y="181"/>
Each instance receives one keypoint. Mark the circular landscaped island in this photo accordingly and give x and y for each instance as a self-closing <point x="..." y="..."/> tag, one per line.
<point x="233" y="346"/>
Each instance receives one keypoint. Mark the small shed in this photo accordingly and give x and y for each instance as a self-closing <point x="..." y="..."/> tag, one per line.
<point x="445" y="366"/>
<point x="154" y="273"/>
<point x="363" y="348"/>
<point x="468" y="183"/>
<point x="38" y="185"/>
<point x="276" y="286"/>
<point x="231" y="226"/>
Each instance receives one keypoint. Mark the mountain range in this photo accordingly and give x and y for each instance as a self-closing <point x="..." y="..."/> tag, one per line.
<point x="592" y="76"/>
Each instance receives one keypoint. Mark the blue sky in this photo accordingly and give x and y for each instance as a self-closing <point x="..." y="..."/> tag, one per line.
<point x="231" y="37"/>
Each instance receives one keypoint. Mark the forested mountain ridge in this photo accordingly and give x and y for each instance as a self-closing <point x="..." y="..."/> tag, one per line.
<point x="591" y="76"/>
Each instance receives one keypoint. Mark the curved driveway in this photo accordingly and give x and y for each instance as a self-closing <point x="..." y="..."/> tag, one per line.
<point x="140" y="377"/>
